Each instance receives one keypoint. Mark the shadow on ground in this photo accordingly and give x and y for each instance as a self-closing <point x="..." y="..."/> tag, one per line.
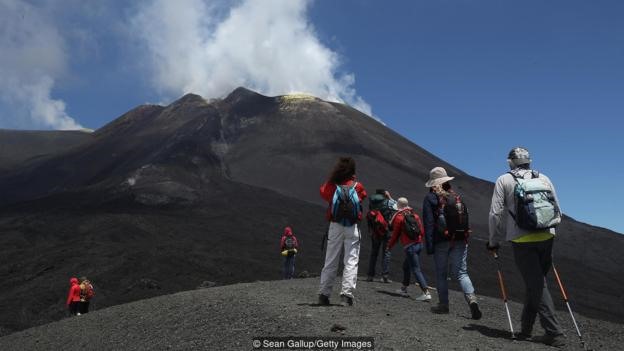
<point x="489" y="332"/>
<point x="394" y="294"/>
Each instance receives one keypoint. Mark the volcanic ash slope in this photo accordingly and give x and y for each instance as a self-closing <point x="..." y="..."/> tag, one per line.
<point x="230" y="317"/>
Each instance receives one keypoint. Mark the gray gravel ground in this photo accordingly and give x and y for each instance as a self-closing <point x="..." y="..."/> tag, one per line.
<point x="230" y="317"/>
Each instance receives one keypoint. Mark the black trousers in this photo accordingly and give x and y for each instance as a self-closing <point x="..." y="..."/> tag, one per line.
<point x="379" y="244"/>
<point x="534" y="260"/>
<point x="74" y="307"/>
<point x="83" y="307"/>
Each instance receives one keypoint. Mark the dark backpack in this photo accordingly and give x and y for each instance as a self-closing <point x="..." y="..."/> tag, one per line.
<point x="536" y="207"/>
<point x="377" y="223"/>
<point x="412" y="225"/>
<point x="381" y="203"/>
<point x="345" y="207"/>
<point x="375" y="202"/>
<point x="86" y="291"/>
<point x="387" y="211"/>
<point x="289" y="242"/>
<point x="452" y="217"/>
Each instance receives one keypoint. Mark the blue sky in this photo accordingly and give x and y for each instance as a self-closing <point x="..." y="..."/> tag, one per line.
<point x="466" y="80"/>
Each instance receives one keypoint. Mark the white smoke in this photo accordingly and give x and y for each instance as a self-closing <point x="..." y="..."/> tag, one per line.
<point x="268" y="46"/>
<point x="32" y="58"/>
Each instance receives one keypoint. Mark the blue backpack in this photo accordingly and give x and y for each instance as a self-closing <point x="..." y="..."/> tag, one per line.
<point x="345" y="207"/>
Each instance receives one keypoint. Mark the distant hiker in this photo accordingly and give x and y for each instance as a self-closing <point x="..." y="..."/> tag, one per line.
<point x="344" y="194"/>
<point x="73" y="297"/>
<point x="86" y="294"/>
<point x="407" y="226"/>
<point x="289" y="247"/>
<point x="446" y="235"/>
<point x="381" y="208"/>
<point x="530" y="226"/>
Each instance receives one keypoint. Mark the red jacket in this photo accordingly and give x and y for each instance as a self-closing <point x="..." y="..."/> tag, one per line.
<point x="398" y="229"/>
<point x="288" y="232"/>
<point x="74" y="291"/>
<point x="328" y="189"/>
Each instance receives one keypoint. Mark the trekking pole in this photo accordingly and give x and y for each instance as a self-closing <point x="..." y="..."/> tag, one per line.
<point x="503" y="292"/>
<point x="565" y="299"/>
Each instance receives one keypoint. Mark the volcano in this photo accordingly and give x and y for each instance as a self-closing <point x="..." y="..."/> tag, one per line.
<point x="169" y="198"/>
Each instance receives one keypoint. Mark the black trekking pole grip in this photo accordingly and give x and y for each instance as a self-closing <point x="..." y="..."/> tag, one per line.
<point x="499" y="272"/>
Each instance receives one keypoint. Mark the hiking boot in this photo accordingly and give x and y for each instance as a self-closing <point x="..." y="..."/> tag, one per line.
<point x="522" y="336"/>
<point x="440" y="309"/>
<point x="424" y="297"/>
<point x="474" y="311"/>
<point x="385" y="279"/>
<point x="346" y="301"/>
<point x="323" y="300"/>
<point x="474" y="306"/>
<point x="402" y="292"/>
<point x="551" y="340"/>
<point x="525" y="334"/>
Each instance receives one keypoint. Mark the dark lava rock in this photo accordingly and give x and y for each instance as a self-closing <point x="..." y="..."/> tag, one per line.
<point x="207" y="284"/>
<point x="146" y="283"/>
<point x="337" y="328"/>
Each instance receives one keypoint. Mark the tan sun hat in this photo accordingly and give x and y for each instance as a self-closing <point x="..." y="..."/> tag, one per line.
<point x="437" y="176"/>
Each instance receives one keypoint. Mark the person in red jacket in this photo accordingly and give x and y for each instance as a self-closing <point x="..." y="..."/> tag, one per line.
<point x="289" y="247"/>
<point x="73" y="297"/>
<point x="344" y="194"/>
<point x="411" y="246"/>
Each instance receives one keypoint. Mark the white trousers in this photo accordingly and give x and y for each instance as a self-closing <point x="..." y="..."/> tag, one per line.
<point x="338" y="237"/>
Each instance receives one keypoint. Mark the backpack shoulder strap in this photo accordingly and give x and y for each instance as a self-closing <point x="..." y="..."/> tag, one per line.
<point x="534" y="174"/>
<point x="458" y="199"/>
<point x="347" y="187"/>
<point x="394" y="216"/>
<point x="514" y="176"/>
<point x="455" y="195"/>
<point x="343" y="191"/>
<point x="441" y="200"/>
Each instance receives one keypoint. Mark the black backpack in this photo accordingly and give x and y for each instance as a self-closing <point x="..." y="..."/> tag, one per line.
<point x="412" y="225"/>
<point x="452" y="217"/>
<point x="375" y="202"/>
<point x="387" y="211"/>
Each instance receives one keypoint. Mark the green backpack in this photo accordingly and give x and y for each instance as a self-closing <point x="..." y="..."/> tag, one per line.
<point x="536" y="206"/>
<point x="382" y="204"/>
